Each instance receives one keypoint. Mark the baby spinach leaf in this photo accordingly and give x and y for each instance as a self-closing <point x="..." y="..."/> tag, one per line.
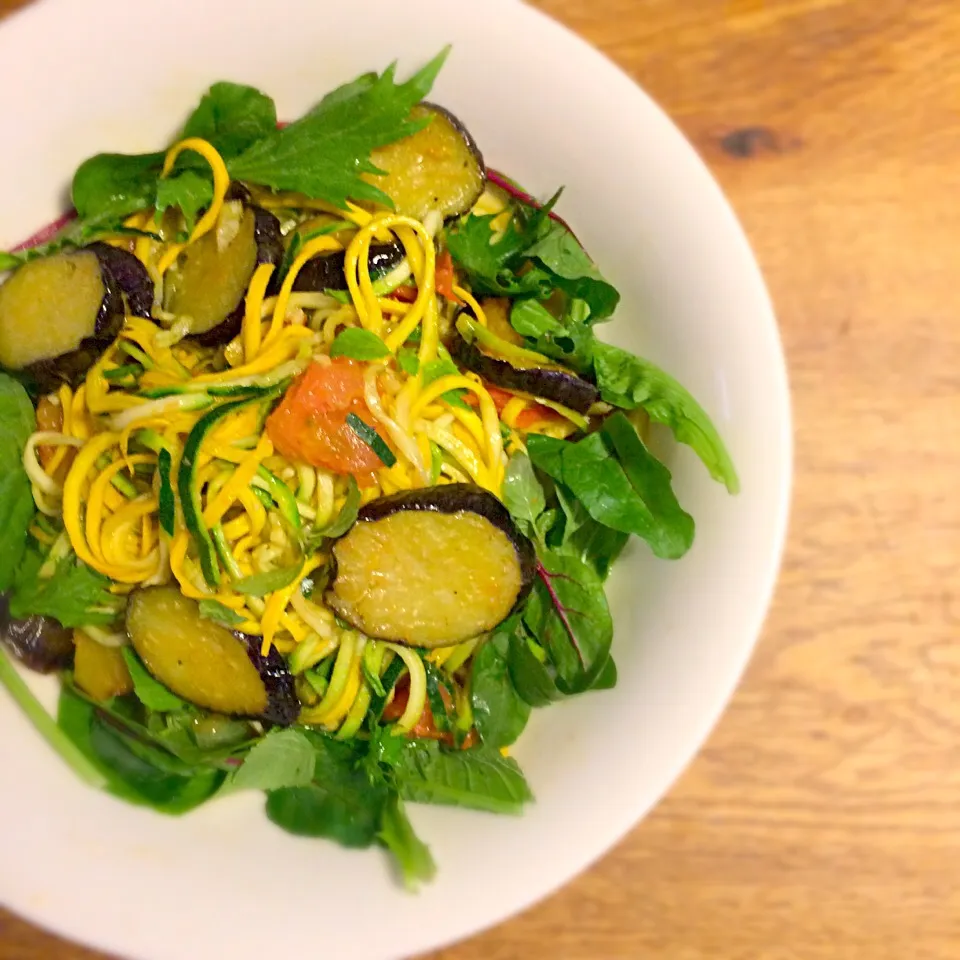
<point x="499" y="712"/>
<point x="410" y="853"/>
<point x="342" y="803"/>
<point x="17" y="422"/>
<point x="522" y="493"/>
<point x="149" y="691"/>
<point x="530" y="675"/>
<point x="568" y="614"/>
<point x="75" y="595"/>
<point x="589" y="468"/>
<point x="282" y="759"/>
<point x="479" y="778"/>
<point x="628" y="381"/>
<point x="232" y="117"/>
<point x="358" y="344"/>
<point x="324" y="153"/>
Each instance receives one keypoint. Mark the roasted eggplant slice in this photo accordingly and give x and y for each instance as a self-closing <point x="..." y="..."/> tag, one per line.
<point x="431" y="567"/>
<point x="39" y="643"/>
<point x="101" y="672"/>
<point x="516" y="370"/>
<point x="57" y="315"/>
<point x="437" y="168"/>
<point x="209" y="282"/>
<point x="204" y="662"/>
<point x="326" y="272"/>
<point x="130" y="275"/>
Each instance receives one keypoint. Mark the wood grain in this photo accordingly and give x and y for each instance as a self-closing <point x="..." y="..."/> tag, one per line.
<point x="822" y="821"/>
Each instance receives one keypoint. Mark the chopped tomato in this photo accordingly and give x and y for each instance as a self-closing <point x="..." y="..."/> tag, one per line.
<point x="405" y="294"/>
<point x="529" y="415"/>
<point x="425" y="728"/>
<point x="445" y="277"/>
<point x="310" y="424"/>
<point x="49" y="418"/>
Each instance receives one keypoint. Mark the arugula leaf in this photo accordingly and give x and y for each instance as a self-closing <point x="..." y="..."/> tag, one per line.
<point x="573" y="271"/>
<point x="358" y="344"/>
<point x="479" y="778"/>
<point x="116" y="185"/>
<point x="17" y="422"/>
<point x="232" y="117"/>
<point x="325" y="153"/>
<point x="522" y="493"/>
<point x="499" y="712"/>
<point x="591" y="471"/>
<point x="189" y="191"/>
<point x="628" y="381"/>
<point x="568" y="613"/>
<point x="569" y="340"/>
<point x="219" y="613"/>
<point x="75" y="595"/>
<point x="150" y="691"/>
<point x="411" y="854"/>
<point x="282" y="759"/>
<point x="342" y="803"/>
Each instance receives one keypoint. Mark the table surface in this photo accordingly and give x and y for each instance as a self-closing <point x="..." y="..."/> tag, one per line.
<point x="822" y="819"/>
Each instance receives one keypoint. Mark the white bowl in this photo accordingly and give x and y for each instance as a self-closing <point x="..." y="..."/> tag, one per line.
<point x="93" y="75"/>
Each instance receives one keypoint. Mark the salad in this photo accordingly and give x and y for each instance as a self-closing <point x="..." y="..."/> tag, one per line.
<point x="313" y="467"/>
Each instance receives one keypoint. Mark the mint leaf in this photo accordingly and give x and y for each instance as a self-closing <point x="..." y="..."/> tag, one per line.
<point x="283" y="758"/>
<point x="232" y="117"/>
<point x="358" y="344"/>
<point x="17" y="422"/>
<point x="150" y="691"/>
<point x="325" y="153"/>
<point x="75" y="595"/>
<point x="116" y="185"/>
<point x="629" y="381"/>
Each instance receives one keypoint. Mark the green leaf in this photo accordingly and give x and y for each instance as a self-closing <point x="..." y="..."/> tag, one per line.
<point x="358" y="344"/>
<point x="596" y="545"/>
<point x="568" y="614"/>
<point x="283" y="758"/>
<point x="573" y="271"/>
<point x="75" y="595"/>
<point x="569" y="340"/>
<point x="628" y="381"/>
<point x="116" y="185"/>
<point x="341" y="803"/>
<point x="347" y="515"/>
<point x="479" y="778"/>
<point x="17" y="422"/>
<point x="522" y="493"/>
<point x="232" y="117"/>
<point x="150" y="691"/>
<point x="590" y="469"/>
<point x="260" y="584"/>
<point x="530" y="675"/>
<point x="46" y="726"/>
<point x="410" y="853"/>
<point x="167" y="503"/>
<point x="443" y="366"/>
<point x="499" y="712"/>
<point x="218" y="613"/>
<point x="190" y="191"/>
<point x="324" y="154"/>
<point x="134" y="770"/>
<point x="408" y="361"/>
<point x="9" y="261"/>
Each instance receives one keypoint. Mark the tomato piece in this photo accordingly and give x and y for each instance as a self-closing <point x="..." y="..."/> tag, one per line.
<point x="404" y="294"/>
<point x="425" y="728"/>
<point x="445" y="277"/>
<point x="531" y="414"/>
<point x="310" y="423"/>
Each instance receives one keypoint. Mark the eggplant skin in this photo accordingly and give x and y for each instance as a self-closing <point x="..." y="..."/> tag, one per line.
<point x="130" y="275"/>
<point x="560" y="386"/>
<point x="40" y="643"/>
<point x="283" y="704"/>
<point x="326" y="272"/>
<point x="430" y="583"/>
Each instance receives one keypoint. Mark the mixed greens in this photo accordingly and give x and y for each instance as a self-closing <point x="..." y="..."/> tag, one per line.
<point x="315" y="493"/>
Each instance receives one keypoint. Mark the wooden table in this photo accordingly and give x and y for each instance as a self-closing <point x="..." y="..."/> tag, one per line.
<point x="822" y="820"/>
